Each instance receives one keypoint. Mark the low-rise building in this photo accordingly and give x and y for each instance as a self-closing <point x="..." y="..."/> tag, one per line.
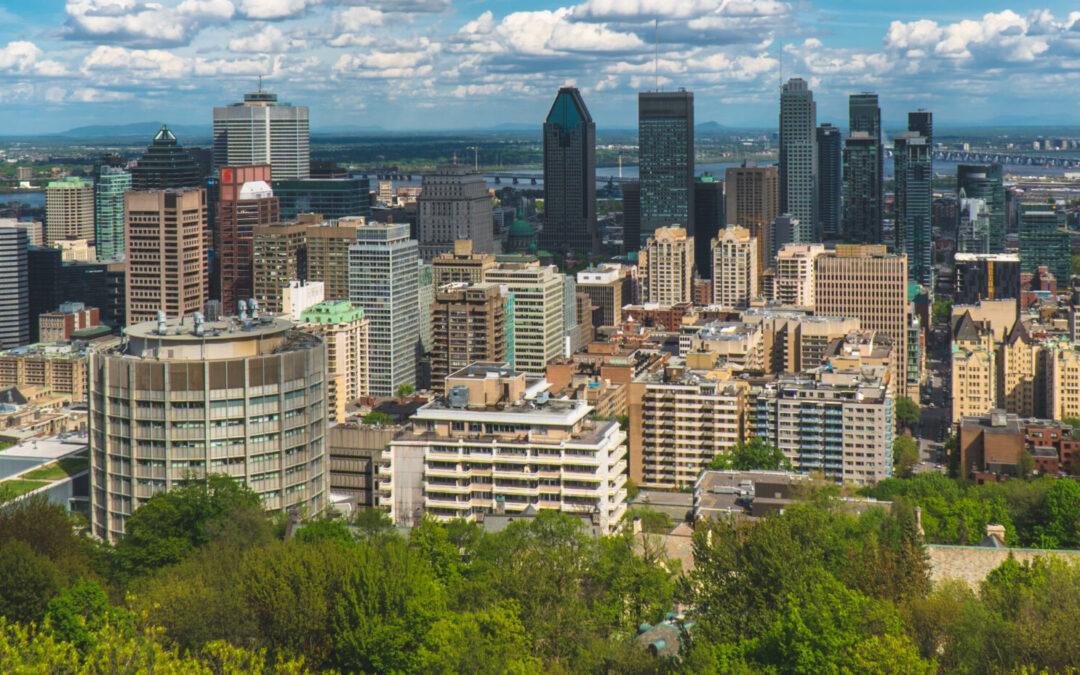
<point x="59" y="368"/>
<point x="70" y="317"/>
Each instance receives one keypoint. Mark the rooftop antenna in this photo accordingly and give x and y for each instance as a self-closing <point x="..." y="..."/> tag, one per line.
<point x="260" y="84"/>
<point x="656" y="52"/>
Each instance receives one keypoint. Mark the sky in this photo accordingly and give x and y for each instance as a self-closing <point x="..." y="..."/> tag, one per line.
<point x="451" y="64"/>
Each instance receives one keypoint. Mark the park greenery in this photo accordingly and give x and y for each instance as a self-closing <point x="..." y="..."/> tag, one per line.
<point x="205" y="581"/>
<point x="907" y="413"/>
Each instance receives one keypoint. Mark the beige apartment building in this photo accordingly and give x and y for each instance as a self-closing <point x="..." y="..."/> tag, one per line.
<point x="974" y="369"/>
<point x="461" y="265"/>
<point x="538" y="312"/>
<point x="468" y="325"/>
<point x="610" y="288"/>
<point x="793" y="340"/>
<point x="735" y="267"/>
<point x="345" y="330"/>
<point x="69" y="210"/>
<point x="666" y="267"/>
<point x="793" y="282"/>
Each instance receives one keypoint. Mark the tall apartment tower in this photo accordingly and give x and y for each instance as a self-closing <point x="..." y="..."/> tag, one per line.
<point x="914" y="173"/>
<point x="708" y="220"/>
<point x="384" y="266"/>
<point x="752" y="200"/>
<point x="984" y="181"/>
<point x="260" y="130"/>
<point x="468" y="325"/>
<point x="666" y="267"/>
<point x="69" y="210"/>
<point x="665" y="161"/>
<point x="454" y="204"/>
<point x="164" y="235"/>
<point x="165" y="165"/>
<point x="869" y="284"/>
<point x="798" y="159"/>
<point x="794" y="281"/>
<point x="14" y="288"/>
<point x="830" y="179"/>
<point x="538" y="317"/>
<point x="345" y="331"/>
<point x="735" y="277"/>
<point x="569" y="176"/>
<point x="245" y="201"/>
<point x="863" y="171"/>
<point x="1044" y="240"/>
<point x="109" y="188"/>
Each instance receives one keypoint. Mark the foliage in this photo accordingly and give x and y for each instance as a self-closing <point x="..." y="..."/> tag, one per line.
<point x="28" y="581"/>
<point x="751" y="455"/>
<point x="907" y="412"/>
<point x="652" y="521"/>
<point x="326" y="530"/>
<point x="942" y="311"/>
<point x="405" y="391"/>
<point x="80" y="612"/>
<point x="905" y="455"/>
<point x="378" y="418"/>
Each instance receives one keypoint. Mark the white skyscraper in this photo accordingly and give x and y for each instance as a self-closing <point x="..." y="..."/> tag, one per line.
<point x="798" y="159"/>
<point x="384" y="280"/>
<point x="14" y="288"/>
<point x="262" y="131"/>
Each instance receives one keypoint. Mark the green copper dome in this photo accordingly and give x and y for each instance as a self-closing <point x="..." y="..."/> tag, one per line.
<point x="521" y="228"/>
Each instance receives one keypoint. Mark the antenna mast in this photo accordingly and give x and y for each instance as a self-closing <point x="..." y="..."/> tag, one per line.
<point x="260" y="84"/>
<point x="656" y="52"/>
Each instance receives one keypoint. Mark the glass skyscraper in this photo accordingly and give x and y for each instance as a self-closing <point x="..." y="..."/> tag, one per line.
<point x="863" y="171"/>
<point x="914" y="173"/>
<point x="984" y="181"/>
<point x="109" y="190"/>
<point x="1044" y="241"/>
<point x="798" y="159"/>
<point x="666" y="161"/>
<point x="830" y="178"/>
<point x="569" y="176"/>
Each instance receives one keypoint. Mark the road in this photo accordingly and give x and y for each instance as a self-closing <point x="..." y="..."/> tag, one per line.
<point x="936" y="406"/>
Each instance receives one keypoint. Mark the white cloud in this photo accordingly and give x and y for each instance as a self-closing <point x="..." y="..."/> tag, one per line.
<point x="24" y="58"/>
<point x="274" y="9"/>
<point x="135" y="23"/>
<point x="264" y="39"/>
<point x="85" y="95"/>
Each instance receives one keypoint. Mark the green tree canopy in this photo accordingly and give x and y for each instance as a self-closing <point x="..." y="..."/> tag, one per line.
<point x="378" y="418"/>
<point x="754" y="454"/>
<point x="905" y="455"/>
<point x="907" y="412"/>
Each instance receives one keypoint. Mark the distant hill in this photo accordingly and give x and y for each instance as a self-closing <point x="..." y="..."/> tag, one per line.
<point x="135" y="130"/>
<point x="708" y="127"/>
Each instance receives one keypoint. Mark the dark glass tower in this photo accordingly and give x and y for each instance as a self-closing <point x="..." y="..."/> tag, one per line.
<point x="166" y="165"/>
<point x="914" y="173"/>
<point x="798" y="159"/>
<point x="863" y="171"/>
<point x="631" y="200"/>
<point x="569" y="176"/>
<point x="984" y="181"/>
<point x="922" y="121"/>
<point x="666" y="160"/>
<point x="708" y="220"/>
<point x="1044" y="241"/>
<point x="830" y="178"/>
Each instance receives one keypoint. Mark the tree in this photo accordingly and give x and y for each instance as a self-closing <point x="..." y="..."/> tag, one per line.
<point x="942" y="311"/>
<point x="83" y="610"/>
<point x="652" y="521"/>
<point x="28" y="582"/>
<point x="326" y="530"/>
<point x="377" y="418"/>
<point x="404" y="391"/>
<point x="907" y="413"/>
<point x="751" y="455"/>
<point x="1061" y="514"/>
<point x="1025" y="463"/>
<point x="905" y="456"/>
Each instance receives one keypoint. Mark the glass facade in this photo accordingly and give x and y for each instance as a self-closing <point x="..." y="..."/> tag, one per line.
<point x="665" y="161"/>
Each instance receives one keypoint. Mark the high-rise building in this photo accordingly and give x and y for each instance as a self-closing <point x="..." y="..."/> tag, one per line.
<point x="538" y="312"/>
<point x="862" y="185"/>
<point x="793" y="284"/>
<point x="345" y="331"/>
<point x="631" y="203"/>
<point x="571" y="330"/>
<point x="708" y="221"/>
<point x="260" y="130"/>
<point x="922" y="122"/>
<point x="186" y="398"/>
<point x="666" y="267"/>
<point x="864" y="114"/>
<point x="752" y="200"/>
<point x="469" y="324"/>
<point x="454" y="204"/>
<point x="735" y="278"/>
<point x="569" y="176"/>
<point x="327" y="257"/>
<point x="331" y="198"/>
<point x="164" y="234"/>
<point x="461" y="265"/>
<point x="109" y="187"/>
<point x="830" y="179"/>
<point x="384" y="281"/>
<point x="665" y="161"/>
<point x="868" y="284"/>
<point x="972" y="226"/>
<point x="798" y="158"/>
<point x="14" y="288"/>
<point x="279" y="256"/>
<point x="986" y="276"/>
<point x="166" y="165"/>
<point x="1044" y="240"/>
<point x="69" y="210"/>
<point x="984" y="181"/>
<point x="245" y="201"/>
<point x="914" y="173"/>
<point x="610" y="288"/>
<point x="54" y="281"/>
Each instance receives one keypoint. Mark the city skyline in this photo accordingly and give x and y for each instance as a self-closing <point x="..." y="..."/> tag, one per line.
<point x="392" y="65"/>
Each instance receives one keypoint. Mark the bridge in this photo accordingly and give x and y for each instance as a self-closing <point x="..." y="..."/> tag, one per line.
<point x="503" y="177"/>
<point x="1016" y="159"/>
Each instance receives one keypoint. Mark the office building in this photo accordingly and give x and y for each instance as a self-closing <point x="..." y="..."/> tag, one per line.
<point x="469" y="324"/>
<point x="708" y="221"/>
<point x="164" y="233"/>
<point x="53" y="282"/>
<point x="245" y="201"/>
<point x="972" y="227"/>
<point x="868" y="284"/>
<point x="260" y="130"/>
<point x="798" y="158"/>
<point x="355" y="451"/>
<point x="922" y="123"/>
<point x="862" y="189"/>
<point x="14" y="288"/>
<point x="332" y="198"/>
<point x="610" y="288"/>
<point x="454" y="204"/>
<point x="752" y="200"/>
<point x="735" y="278"/>
<point x="1044" y="240"/>
<point x="188" y="398"/>
<point x="538" y="316"/>
<point x="58" y="326"/>
<point x="830" y="179"/>
<point x="666" y="267"/>
<point x="166" y="165"/>
<point x="914" y="174"/>
<point x="986" y="276"/>
<point x="569" y="176"/>
<point x="631" y="203"/>
<point x="571" y="330"/>
<point x="345" y="331"/>
<point x="665" y="161"/>
<point x="69" y="210"/>
<point x="109" y="187"/>
<point x="461" y="265"/>
<point x="547" y="453"/>
<point x="384" y="280"/>
<point x="793" y="284"/>
<point x="984" y="182"/>
<point x="300" y="295"/>
<point x="61" y="371"/>
<point x="35" y="229"/>
<point x="279" y="257"/>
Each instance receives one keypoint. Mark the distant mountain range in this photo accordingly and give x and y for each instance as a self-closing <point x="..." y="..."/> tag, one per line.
<point x="135" y="130"/>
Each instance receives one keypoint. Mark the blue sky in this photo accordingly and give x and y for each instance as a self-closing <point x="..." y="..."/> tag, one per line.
<point x="434" y="64"/>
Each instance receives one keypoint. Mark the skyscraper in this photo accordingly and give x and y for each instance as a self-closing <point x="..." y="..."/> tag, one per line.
<point x="830" y="179"/>
<point x="112" y="182"/>
<point x="735" y="278"/>
<point x="69" y="210"/>
<point x="454" y="204"/>
<point x="798" y="159"/>
<point x="863" y="171"/>
<point x="14" y="288"/>
<point x="538" y="316"/>
<point x="708" y="220"/>
<point x="245" y="201"/>
<point x="913" y="170"/>
<point x="1044" y="240"/>
<point x="922" y="121"/>
<point x="752" y="200"/>
<point x="666" y="161"/>
<point x="666" y="267"/>
<point x="631" y="201"/>
<point x="165" y="165"/>
<point x="984" y="181"/>
<point x="468" y="324"/>
<point x="260" y="130"/>
<point x="569" y="176"/>
<point x="384" y="280"/>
